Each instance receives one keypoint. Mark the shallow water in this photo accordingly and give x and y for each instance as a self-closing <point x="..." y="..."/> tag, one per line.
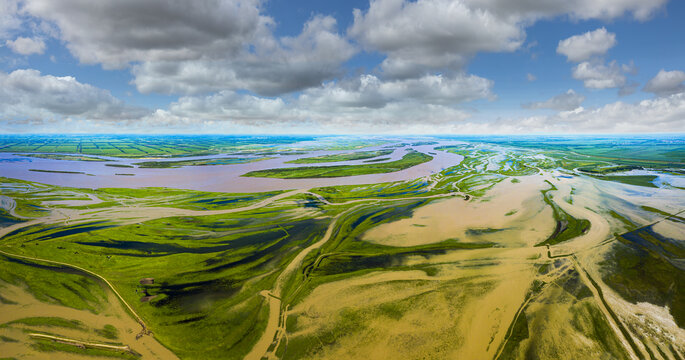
<point x="224" y="178"/>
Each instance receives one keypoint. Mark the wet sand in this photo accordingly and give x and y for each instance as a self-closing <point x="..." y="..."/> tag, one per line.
<point x="479" y="220"/>
<point x="487" y="288"/>
<point x="114" y="314"/>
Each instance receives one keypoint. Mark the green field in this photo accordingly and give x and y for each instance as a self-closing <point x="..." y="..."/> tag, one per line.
<point x="137" y="146"/>
<point x="63" y="157"/>
<point x="567" y="226"/>
<point x="609" y="169"/>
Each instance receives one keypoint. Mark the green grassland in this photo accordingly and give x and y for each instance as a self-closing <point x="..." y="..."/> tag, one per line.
<point x="206" y="269"/>
<point x="569" y="298"/>
<point x="346" y="255"/>
<point x="49" y="346"/>
<point x="638" y="180"/>
<point x="53" y="284"/>
<point x="567" y="226"/>
<point x="6" y="219"/>
<point x="388" y="190"/>
<point x="410" y="159"/>
<point x="183" y="199"/>
<point x="609" y="169"/>
<point x="642" y="267"/>
<point x="341" y="157"/>
<point x="29" y="196"/>
<point x="376" y="160"/>
<point x="49" y="321"/>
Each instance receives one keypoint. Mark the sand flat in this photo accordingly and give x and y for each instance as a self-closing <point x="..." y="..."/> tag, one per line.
<point x="514" y="211"/>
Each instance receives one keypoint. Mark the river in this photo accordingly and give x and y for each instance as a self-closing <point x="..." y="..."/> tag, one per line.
<point x="221" y="178"/>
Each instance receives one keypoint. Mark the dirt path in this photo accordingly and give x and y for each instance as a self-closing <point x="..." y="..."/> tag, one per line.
<point x="273" y="326"/>
<point x="127" y="215"/>
<point x="138" y="214"/>
<point x="599" y="227"/>
<point x="25" y="305"/>
<point x="144" y="331"/>
<point x="598" y="233"/>
<point x="619" y="329"/>
<point x="83" y="344"/>
<point x="275" y="329"/>
<point x="92" y="200"/>
<point x="146" y="213"/>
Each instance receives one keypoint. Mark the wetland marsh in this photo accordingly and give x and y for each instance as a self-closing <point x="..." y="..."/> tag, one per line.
<point x="471" y="248"/>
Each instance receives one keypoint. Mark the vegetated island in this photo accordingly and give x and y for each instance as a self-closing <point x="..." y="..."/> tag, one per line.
<point x="639" y="180"/>
<point x="567" y="227"/>
<point x="119" y="165"/>
<point x="410" y="159"/>
<point x="198" y="162"/>
<point x="341" y="157"/>
<point x="609" y="169"/>
<point x="61" y="172"/>
<point x="378" y="160"/>
<point x="604" y="173"/>
<point x="63" y="157"/>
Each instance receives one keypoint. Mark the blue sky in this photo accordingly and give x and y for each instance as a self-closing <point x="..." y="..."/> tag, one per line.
<point x="311" y="66"/>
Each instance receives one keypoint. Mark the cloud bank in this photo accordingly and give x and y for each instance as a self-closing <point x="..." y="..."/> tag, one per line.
<point x="229" y="70"/>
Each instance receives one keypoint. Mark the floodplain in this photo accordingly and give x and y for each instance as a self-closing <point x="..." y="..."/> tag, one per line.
<point x="491" y="248"/>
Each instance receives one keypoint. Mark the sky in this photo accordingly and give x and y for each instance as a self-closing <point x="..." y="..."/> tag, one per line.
<point x="342" y="67"/>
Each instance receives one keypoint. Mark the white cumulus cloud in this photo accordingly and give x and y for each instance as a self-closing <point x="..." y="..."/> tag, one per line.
<point x="28" y="95"/>
<point x="575" y="9"/>
<point x="427" y="35"/>
<point x="370" y="92"/>
<point x="581" y="47"/>
<point x="362" y="104"/>
<point x="10" y="20"/>
<point x="666" y="83"/>
<point x="596" y="75"/>
<point x="275" y="66"/>
<point x="26" y="46"/>
<point x="431" y="34"/>
<point x="114" y="33"/>
<point x="663" y="114"/>
<point x="567" y="101"/>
